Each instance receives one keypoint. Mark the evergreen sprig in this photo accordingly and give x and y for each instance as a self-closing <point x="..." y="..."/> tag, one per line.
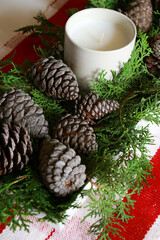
<point x="23" y="194"/>
<point x="70" y="12"/>
<point x="51" y="35"/>
<point x="110" y="4"/>
<point x="155" y="26"/>
<point x="124" y="164"/>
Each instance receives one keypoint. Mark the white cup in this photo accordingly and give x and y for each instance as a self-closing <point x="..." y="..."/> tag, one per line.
<point x="97" y="39"/>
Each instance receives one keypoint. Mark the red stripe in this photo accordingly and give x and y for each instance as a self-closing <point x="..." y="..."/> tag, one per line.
<point x="50" y="235"/>
<point x="146" y="209"/>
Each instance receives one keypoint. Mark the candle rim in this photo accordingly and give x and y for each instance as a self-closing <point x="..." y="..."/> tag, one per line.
<point x="101" y="51"/>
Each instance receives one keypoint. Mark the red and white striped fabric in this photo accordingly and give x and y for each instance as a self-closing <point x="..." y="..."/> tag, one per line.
<point x="146" y="223"/>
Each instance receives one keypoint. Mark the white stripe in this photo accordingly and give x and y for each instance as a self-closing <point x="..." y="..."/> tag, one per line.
<point x="154" y="232"/>
<point x="52" y="9"/>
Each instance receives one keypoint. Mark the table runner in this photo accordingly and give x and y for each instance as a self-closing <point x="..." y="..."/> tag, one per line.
<point x="146" y="223"/>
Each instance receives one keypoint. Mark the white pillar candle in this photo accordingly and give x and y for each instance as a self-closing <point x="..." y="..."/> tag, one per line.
<point x="97" y="39"/>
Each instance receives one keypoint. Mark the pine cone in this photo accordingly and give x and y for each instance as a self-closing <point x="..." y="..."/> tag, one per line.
<point x="73" y="131"/>
<point x="155" y="45"/>
<point x="91" y="107"/>
<point x="153" y="61"/>
<point x="140" y="12"/>
<point x="55" y="78"/>
<point x="15" y="147"/>
<point x="156" y="4"/>
<point x="17" y="106"/>
<point x="60" y="168"/>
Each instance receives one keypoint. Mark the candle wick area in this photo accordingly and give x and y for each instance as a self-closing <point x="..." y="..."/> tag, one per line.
<point x="101" y="38"/>
<point x="100" y="35"/>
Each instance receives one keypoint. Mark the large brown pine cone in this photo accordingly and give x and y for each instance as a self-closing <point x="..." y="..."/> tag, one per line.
<point x="60" y="168"/>
<point x="153" y="61"/>
<point x="74" y="132"/>
<point x="92" y="107"/>
<point x="18" y="106"/>
<point x="55" y="78"/>
<point x="15" y="147"/>
<point x="140" y="12"/>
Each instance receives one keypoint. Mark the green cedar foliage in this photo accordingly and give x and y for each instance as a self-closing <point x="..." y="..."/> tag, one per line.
<point x="22" y="194"/>
<point x="110" y="4"/>
<point x="155" y="26"/>
<point x="121" y="165"/>
<point x="103" y="4"/>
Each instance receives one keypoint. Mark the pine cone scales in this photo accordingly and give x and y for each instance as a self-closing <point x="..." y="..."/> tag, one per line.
<point x="156" y="4"/>
<point x="73" y="131"/>
<point x="155" y="45"/>
<point x="140" y="12"/>
<point x="17" y="106"/>
<point x="91" y="107"/>
<point x="60" y="168"/>
<point x="55" y="78"/>
<point x="153" y="61"/>
<point x="15" y="147"/>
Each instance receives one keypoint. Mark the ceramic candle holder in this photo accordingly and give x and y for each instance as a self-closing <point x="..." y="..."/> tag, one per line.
<point x="97" y="39"/>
